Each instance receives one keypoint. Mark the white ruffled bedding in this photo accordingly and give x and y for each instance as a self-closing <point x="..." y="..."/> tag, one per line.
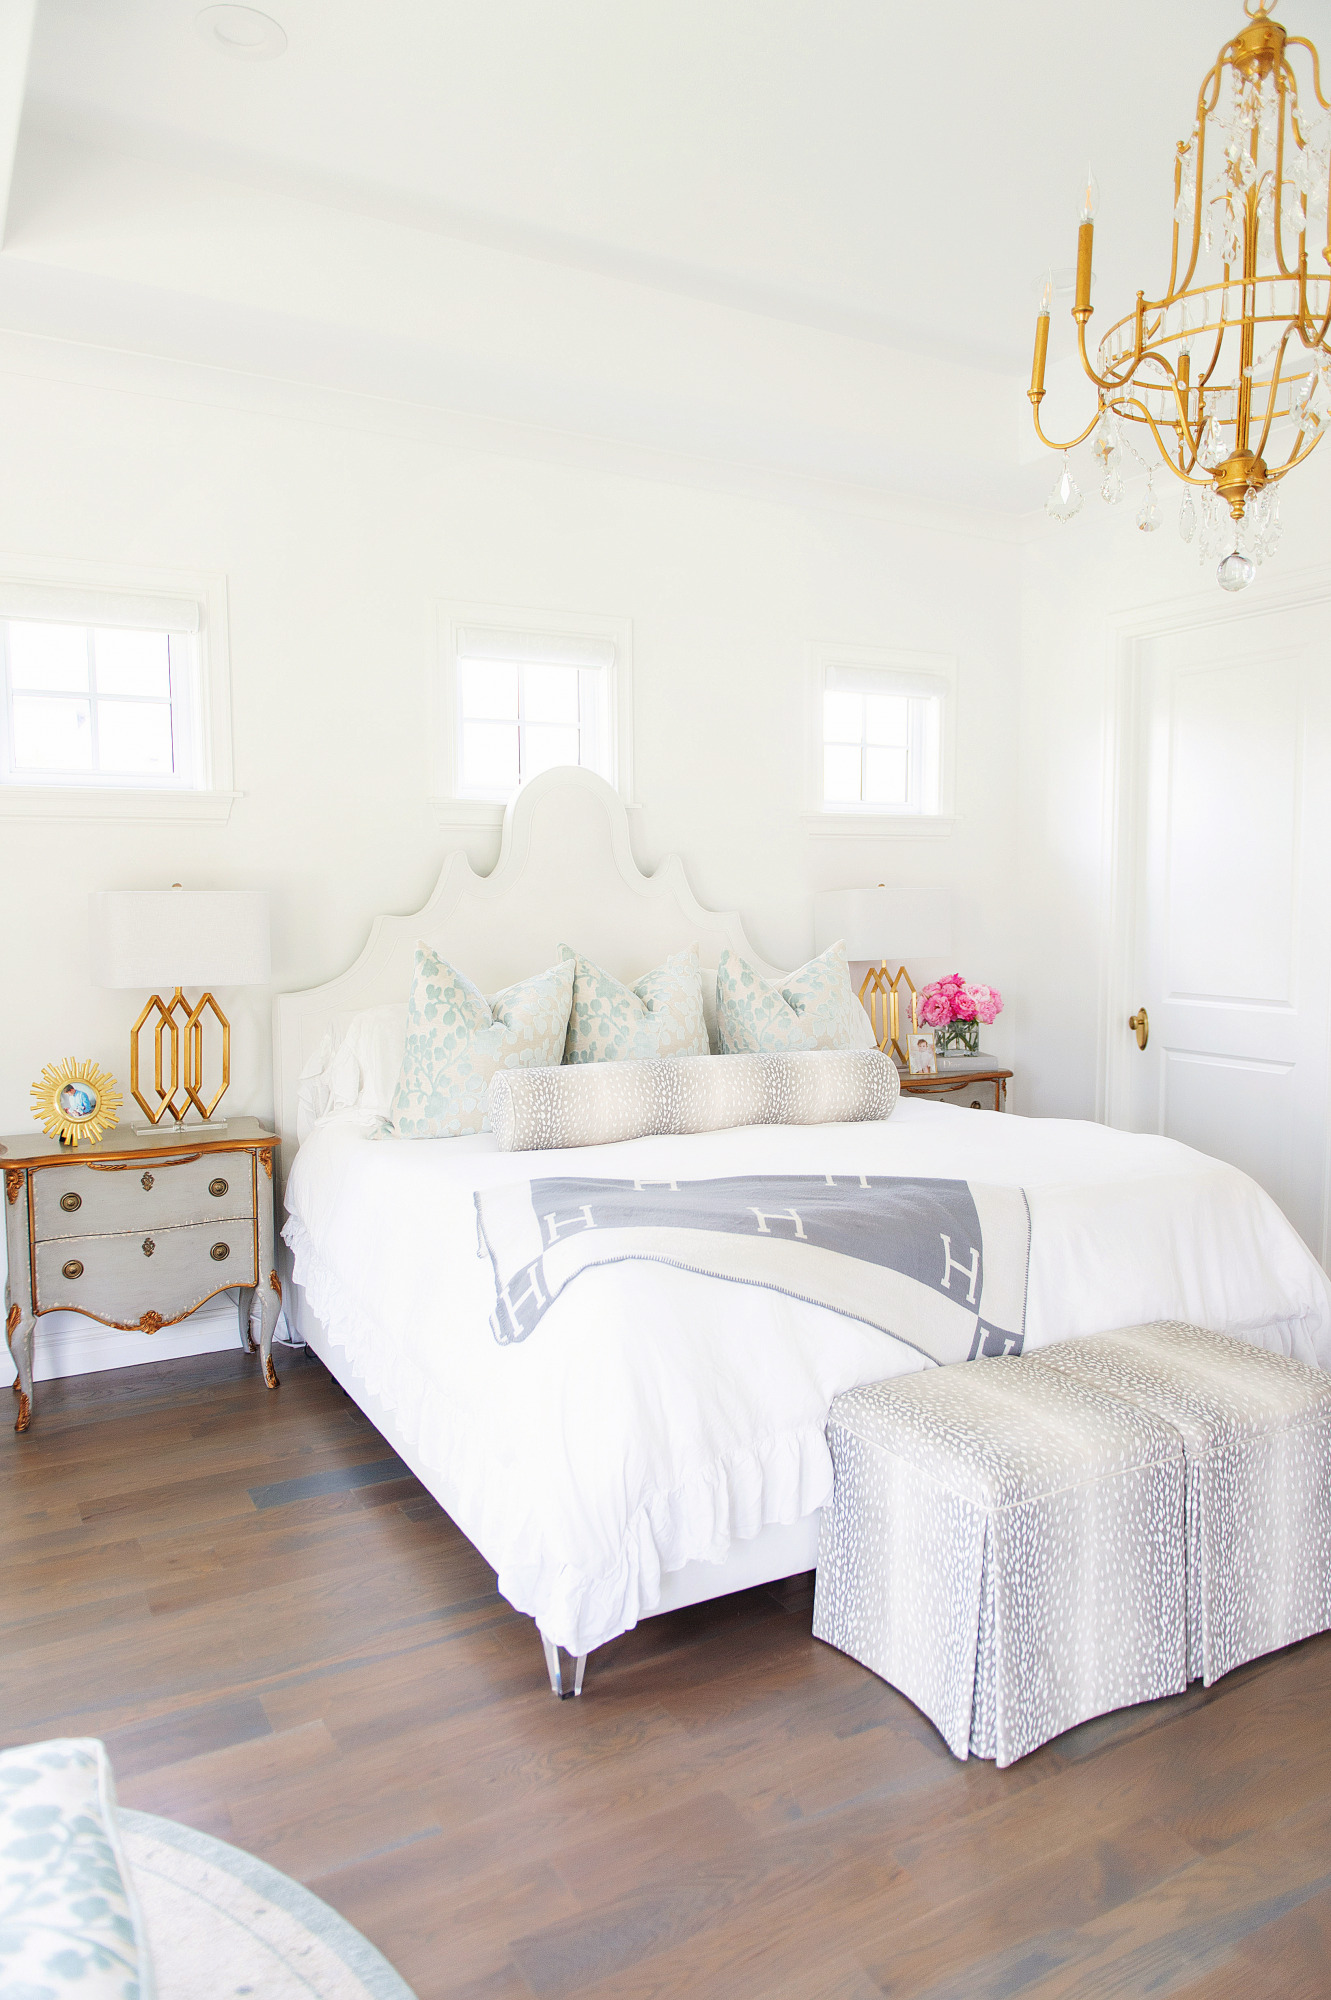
<point x="657" y="1415"/>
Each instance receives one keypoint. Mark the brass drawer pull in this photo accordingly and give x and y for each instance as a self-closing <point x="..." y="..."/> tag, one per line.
<point x="148" y="1246"/>
<point x="146" y="1181"/>
<point x="69" y="1202"/>
<point x="220" y="1252"/>
<point x="73" y="1269"/>
<point x="218" y="1187"/>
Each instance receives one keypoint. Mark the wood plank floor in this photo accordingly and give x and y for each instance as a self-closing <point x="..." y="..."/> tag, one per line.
<point x="285" y="1643"/>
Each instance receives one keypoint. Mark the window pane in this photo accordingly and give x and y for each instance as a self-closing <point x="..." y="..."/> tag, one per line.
<point x="841" y="775"/>
<point x="133" y="663"/>
<point x="544" y="747"/>
<point x="550" y="694"/>
<point x="489" y="689"/>
<point x="52" y="733"/>
<point x="843" y="718"/>
<point x="886" y="719"/>
<point x="490" y="756"/>
<point x="134" y="736"/>
<point x="48" y="656"/>
<point x="885" y="777"/>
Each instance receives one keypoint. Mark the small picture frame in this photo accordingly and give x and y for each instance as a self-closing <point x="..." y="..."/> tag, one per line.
<point x="75" y="1101"/>
<point x="922" y="1054"/>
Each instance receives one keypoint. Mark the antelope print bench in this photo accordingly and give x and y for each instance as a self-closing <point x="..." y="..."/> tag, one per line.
<point x="1019" y="1544"/>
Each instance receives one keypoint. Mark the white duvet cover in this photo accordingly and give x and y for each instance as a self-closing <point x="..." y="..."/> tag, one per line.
<point x="655" y="1415"/>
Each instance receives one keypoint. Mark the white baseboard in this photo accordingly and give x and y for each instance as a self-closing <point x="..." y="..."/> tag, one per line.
<point x="67" y="1343"/>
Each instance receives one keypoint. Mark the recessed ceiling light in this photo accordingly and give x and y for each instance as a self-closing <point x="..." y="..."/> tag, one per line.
<point x="242" y="32"/>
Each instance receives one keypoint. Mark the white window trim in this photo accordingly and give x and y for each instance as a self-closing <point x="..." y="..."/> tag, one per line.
<point x="450" y="808"/>
<point x="935" y="673"/>
<point x="212" y="797"/>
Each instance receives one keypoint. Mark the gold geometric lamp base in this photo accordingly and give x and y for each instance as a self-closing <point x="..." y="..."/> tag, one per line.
<point x="883" y="1006"/>
<point x="179" y="1043"/>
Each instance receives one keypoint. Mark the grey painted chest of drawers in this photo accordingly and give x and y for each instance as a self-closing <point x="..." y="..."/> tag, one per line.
<point x="138" y="1231"/>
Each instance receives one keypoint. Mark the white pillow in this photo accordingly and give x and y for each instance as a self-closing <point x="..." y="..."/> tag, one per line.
<point x="356" y="1069"/>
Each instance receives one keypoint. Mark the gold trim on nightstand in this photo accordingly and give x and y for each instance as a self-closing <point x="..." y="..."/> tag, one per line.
<point x="109" y="1210"/>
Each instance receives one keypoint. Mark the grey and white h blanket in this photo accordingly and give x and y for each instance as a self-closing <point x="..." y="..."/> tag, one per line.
<point x="940" y="1265"/>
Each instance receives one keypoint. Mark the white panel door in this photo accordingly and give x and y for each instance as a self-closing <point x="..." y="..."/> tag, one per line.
<point x="1233" y="902"/>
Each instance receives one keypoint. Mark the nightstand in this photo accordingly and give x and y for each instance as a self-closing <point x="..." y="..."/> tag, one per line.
<point x="137" y="1231"/>
<point x="961" y="1083"/>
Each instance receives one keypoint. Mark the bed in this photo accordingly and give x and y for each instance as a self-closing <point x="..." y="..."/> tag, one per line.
<point x="661" y="1441"/>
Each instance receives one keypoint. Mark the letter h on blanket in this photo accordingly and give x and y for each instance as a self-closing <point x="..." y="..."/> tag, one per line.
<point x="863" y="1246"/>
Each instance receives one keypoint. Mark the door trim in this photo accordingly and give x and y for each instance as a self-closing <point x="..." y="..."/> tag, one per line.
<point x="1127" y="632"/>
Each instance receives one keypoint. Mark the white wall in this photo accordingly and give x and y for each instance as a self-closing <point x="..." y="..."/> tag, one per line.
<point x="336" y="535"/>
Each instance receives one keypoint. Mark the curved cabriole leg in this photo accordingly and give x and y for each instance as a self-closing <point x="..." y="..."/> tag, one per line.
<point x="19" y="1332"/>
<point x="270" y="1305"/>
<point x="244" y="1307"/>
<point x="554" y="1667"/>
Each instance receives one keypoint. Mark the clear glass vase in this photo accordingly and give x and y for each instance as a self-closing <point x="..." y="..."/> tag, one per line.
<point x="959" y="1038"/>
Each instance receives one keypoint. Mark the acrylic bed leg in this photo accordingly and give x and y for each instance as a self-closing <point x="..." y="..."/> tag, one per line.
<point x="557" y="1675"/>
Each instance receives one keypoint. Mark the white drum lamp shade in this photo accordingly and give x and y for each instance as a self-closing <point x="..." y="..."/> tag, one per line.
<point x="882" y="923"/>
<point x="180" y="937"/>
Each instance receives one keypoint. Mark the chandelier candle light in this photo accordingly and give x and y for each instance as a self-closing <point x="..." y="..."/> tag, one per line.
<point x="1230" y="369"/>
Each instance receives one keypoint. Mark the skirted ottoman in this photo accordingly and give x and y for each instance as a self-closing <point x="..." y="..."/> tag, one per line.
<point x="1005" y="1545"/>
<point x="1256" y="1432"/>
<point x="1016" y="1559"/>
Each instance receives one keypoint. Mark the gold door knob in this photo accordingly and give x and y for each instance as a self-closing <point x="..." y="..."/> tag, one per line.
<point x="69" y="1202"/>
<point x="217" y="1188"/>
<point x="220" y="1252"/>
<point x="148" y="1246"/>
<point x="1141" y="1026"/>
<point x="73" y="1269"/>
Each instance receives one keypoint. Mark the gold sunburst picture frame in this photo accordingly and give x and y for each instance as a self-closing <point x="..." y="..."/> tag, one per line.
<point x="76" y="1100"/>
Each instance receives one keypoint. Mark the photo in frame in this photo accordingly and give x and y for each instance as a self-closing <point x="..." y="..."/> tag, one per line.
<point x="921" y="1053"/>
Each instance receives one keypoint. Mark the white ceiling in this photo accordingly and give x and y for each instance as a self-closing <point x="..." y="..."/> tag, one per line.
<point x="889" y="175"/>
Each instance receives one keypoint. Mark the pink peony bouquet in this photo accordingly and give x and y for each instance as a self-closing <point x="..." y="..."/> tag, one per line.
<point x="954" y="999"/>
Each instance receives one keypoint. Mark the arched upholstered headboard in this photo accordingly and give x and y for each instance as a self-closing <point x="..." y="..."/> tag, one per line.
<point x="565" y="875"/>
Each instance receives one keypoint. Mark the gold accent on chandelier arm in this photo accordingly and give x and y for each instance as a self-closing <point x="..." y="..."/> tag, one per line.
<point x="1296" y="456"/>
<point x="1106" y="384"/>
<point x="1176" y="469"/>
<point x="1053" y="443"/>
<point x="1302" y="42"/>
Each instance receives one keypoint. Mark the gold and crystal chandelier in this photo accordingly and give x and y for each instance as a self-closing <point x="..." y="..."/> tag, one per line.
<point x="1229" y="371"/>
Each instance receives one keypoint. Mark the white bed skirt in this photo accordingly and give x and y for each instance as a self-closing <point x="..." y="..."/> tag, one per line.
<point x="780" y="1550"/>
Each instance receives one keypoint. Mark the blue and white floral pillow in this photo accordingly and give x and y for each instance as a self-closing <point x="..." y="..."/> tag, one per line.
<point x="812" y="1008"/>
<point x="69" y="1920"/>
<point x="659" y="1015"/>
<point x="457" y="1039"/>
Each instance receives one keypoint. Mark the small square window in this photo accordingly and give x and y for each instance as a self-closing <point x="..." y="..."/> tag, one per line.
<point x="882" y="740"/>
<point x="517" y="718"/>
<point x="517" y="693"/>
<point x="96" y="705"/>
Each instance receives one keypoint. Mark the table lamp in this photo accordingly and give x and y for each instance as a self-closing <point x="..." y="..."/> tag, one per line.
<point x="175" y="938"/>
<point x="915" y="923"/>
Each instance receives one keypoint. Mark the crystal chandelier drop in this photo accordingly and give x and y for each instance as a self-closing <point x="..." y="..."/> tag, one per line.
<point x="1230" y="370"/>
